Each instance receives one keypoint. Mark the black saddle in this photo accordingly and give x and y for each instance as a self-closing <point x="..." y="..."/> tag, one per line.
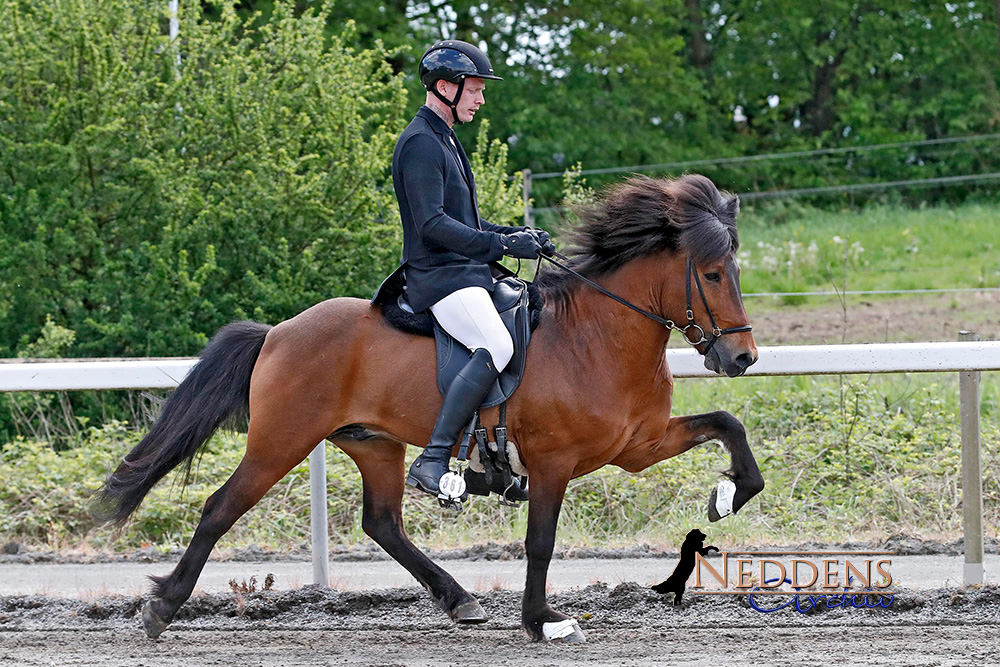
<point x="518" y="302"/>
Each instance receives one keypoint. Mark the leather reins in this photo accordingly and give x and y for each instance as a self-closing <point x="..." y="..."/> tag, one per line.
<point x="717" y="333"/>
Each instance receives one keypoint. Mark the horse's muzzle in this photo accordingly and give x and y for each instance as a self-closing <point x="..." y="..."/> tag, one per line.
<point x="722" y="361"/>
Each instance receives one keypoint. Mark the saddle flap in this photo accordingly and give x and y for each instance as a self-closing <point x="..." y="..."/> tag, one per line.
<point x="505" y="295"/>
<point x="510" y="296"/>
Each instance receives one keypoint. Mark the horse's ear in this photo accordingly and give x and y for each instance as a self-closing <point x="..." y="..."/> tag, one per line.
<point x="732" y="207"/>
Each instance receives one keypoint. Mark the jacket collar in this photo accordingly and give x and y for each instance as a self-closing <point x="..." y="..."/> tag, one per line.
<point x="435" y="121"/>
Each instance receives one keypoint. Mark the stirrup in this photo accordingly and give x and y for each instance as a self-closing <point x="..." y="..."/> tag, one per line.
<point x="514" y="482"/>
<point x="451" y="492"/>
<point x="452" y="504"/>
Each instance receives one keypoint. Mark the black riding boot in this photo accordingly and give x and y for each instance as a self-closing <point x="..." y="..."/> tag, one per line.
<point x="464" y="397"/>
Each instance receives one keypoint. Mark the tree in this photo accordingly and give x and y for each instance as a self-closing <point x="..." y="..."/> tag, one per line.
<point x="144" y="207"/>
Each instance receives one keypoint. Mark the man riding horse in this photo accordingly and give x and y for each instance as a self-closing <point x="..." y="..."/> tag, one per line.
<point x="597" y="390"/>
<point x="447" y="247"/>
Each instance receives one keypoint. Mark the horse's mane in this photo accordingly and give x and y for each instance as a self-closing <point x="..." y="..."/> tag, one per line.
<point x="643" y="216"/>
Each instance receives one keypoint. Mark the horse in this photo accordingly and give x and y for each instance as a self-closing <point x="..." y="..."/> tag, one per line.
<point x="596" y="391"/>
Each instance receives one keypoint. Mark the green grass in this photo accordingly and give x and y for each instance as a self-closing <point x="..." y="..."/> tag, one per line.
<point x="844" y="459"/>
<point x="885" y="247"/>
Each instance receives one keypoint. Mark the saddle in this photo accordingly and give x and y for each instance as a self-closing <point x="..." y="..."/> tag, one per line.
<point x="518" y="302"/>
<point x="494" y="465"/>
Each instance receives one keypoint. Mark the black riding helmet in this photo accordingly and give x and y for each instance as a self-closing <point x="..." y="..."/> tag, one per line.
<point x="454" y="60"/>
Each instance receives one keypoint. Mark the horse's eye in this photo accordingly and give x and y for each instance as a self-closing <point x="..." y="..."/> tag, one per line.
<point x="713" y="277"/>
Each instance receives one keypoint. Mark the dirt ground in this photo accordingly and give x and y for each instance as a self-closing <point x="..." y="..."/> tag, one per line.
<point x="931" y="317"/>
<point x="901" y="646"/>
<point x="625" y="625"/>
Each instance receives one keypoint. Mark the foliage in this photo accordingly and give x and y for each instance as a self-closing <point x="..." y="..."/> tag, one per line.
<point x="47" y="417"/>
<point x="501" y="201"/>
<point x="635" y="82"/>
<point x="145" y="204"/>
<point x="843" y="459"/>
<point x="576" y="192"/>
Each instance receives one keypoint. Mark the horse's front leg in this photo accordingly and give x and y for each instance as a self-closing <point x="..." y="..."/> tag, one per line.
<point x="688" y="431"/>
<point x="540" y="620"/>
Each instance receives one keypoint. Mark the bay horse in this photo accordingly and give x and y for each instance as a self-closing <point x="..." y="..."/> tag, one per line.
<point x="596" y="391"/>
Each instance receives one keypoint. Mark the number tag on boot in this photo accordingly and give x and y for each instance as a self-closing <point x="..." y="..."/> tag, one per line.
<point x="451" y="486"/>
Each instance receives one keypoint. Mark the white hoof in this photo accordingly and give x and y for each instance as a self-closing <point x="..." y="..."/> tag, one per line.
<point x="567" y="631"/>
<point x="724" y="498"/>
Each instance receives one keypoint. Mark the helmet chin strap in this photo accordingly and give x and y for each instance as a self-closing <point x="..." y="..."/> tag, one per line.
<point x="452" y="104"/>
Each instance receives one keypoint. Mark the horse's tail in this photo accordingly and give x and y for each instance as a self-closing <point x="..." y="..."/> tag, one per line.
<point x="217" y="390"/>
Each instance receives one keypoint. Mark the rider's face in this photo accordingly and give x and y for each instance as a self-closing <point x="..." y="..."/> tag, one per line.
<point x="472" y="97"/>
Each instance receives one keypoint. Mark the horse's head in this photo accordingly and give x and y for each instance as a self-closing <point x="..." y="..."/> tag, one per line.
<point x="712" y="317"/>
<point x="685" y="231"/>
<point x="719" y="327"/>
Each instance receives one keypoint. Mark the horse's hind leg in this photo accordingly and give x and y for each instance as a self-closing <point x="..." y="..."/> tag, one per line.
<point x="259" y="470"/>
<point x="380" y="461"/>
<point x="687" y="431"/>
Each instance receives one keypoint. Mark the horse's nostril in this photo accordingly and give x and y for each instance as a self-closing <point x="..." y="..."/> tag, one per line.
<point x="745" y="360"/>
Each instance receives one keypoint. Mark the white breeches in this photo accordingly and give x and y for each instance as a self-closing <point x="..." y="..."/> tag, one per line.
<point x="470" y="317"/>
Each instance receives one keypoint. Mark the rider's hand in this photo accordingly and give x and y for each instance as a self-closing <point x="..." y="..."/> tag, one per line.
<point x="544" y="240"/>
<point x="522" y="245"/>
<point x="540" y="234"/>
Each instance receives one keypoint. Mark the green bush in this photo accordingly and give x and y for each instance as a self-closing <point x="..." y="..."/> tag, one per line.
<point x="144" y="204"/>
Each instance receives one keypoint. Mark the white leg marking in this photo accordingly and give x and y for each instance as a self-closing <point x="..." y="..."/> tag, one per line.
<point x="568" y="630"/>
<point x="724" y="497"/>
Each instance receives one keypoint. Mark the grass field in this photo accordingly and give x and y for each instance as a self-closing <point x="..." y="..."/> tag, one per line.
<point x="788" y="248"/>
<point x="844" y="459"/>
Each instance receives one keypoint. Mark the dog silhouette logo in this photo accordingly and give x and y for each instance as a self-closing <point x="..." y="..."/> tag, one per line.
<point x="676" y="582"/>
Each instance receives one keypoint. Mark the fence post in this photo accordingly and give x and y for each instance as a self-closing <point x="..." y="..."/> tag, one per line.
<point x="972" y="479"/>
<point x="318" y="520"/>
<point x="526" y="195"/>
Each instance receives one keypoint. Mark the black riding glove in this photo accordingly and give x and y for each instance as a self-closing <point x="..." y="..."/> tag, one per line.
<point x="522" y="245"/>
<point x="544" y="240"/>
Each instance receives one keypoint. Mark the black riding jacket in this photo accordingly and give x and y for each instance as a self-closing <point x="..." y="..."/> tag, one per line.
<point x="446" y="246"/>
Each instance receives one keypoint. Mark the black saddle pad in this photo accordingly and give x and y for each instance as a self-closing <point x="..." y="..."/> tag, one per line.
<point x="519" y="304"/>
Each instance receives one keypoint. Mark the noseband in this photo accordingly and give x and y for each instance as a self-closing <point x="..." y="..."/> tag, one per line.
<point x="690" y="270"/>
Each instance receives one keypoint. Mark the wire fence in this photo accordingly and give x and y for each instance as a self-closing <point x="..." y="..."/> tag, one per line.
<point x="873" y="292"/>
<point x="923" y="155"/>
<point x="964" y="179"/>
<point x="789" y="155"/>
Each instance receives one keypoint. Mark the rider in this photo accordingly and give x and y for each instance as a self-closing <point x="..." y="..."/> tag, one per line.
<point x="447" y="247"/>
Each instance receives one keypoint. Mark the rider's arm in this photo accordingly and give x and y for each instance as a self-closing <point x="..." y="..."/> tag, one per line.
<point x="501" y="229"/>
<point x="422" y="168"/>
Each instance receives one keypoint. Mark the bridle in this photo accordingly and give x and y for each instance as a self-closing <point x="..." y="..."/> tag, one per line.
<point x="690" y="270"/>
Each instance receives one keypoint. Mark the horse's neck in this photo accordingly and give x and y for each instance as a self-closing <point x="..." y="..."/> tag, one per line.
<point x="594" y="326"/>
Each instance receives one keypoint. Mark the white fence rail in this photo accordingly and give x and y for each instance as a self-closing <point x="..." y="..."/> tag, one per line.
<point x="967" y="357"/>
<point x="19" y="375"/>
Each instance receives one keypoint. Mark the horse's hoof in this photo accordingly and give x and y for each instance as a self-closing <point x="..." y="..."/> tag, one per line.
<point x="468" y="613"/>
<point x="720" y="502"/>
<point x="151" y="622"/>
<point x="565" y="632"/>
